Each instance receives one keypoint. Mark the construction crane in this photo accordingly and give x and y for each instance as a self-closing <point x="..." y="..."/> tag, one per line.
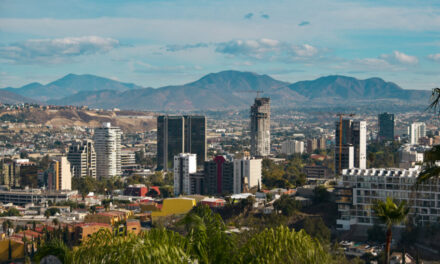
<point x="253" y="91"/>
<point x="340" y="137"/>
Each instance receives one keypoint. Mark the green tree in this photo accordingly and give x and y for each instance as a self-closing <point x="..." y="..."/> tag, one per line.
<point x="390" y="214"/>
<point x="282" y="245"/>
<point x="320" y="194"/>
<point x="315" y="227"/>
<point x="287" y="205"/>
<point x="207" y="237"/>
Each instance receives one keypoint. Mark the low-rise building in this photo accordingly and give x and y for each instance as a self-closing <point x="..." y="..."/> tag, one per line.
<point x="174" y="206"/>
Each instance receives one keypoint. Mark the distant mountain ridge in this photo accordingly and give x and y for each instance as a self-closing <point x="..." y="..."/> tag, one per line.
<point x="217" y="91"/>
<point x="70" y="85"/>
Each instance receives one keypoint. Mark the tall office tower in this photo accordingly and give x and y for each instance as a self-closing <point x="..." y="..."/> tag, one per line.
<point x="290" y="147"/>
<point x="59" y="176"/>
<point x="219" y="176"/>
<point x="260" y="127"/>
<point x="108" y="151"/>
<point x="312" y="144"/>
<point x="14" y="171"/>
<point x="416" y="131"/>
<point x="180" y="134"/>
<point x="82" y="158"/>
<point x="386" y="127"/>
<point x="354" y="134"/>
<point x="247" y="174"/>
<point x="184" y="165"/>
<point x="195" y="137"/>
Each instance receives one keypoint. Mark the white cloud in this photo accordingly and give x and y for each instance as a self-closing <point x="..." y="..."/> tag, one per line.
<point x="267" y="49"/>
<point x="55" y="50"/>
<point x="434" y="57"/>
<point x="398" y="57"/>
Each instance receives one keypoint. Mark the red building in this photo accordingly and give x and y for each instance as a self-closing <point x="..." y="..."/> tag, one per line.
<point x="136" y="190"/>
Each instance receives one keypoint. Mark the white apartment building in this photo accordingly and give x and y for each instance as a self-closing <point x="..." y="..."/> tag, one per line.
<point x="359" y="188"/>
<point x="108" y="151"/>
<point x="290" y="147"/>
<point x="416" y="131"/>
<point x="409" y="155"/>
<point x="247" y="174"/>
<point x="184" y="165"/>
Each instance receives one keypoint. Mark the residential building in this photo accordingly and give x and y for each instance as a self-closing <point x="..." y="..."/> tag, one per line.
<point x="290" y="147"/>
<point x="416" y="131"/>
<point x="260" y="127"/>
<point x="322" y="143"/>
<point x="357" y="190"/>
<point x="128" y="158"/>
<point x="184" y="165"/>
<point x="108" y="151"/>
<point x="312" y="144"/>
<point x="410" y="155"/>
<point x="352" y="150"/>
<point x="316" y="172"/>
<point x="82" y="158"/>
<point x="247" y="174"/>
<point x="386" y="127"/>
<point x="219" y="176"/>
<point x="12" y="172"/>
<point x="180" y="134"/>
<point x="59" y="176"/>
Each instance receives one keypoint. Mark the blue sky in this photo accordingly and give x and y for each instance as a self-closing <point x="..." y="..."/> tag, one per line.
<point x="157" y="43"/>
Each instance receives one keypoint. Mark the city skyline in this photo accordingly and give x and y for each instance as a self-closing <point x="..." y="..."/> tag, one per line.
<point x="159" y="43"/>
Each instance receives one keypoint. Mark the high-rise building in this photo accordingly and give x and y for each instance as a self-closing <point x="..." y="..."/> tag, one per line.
<point x="322" y="143"/>
<point x="416" y="131"/>
<point x="82" y="158"/>
<point x="219" y="176"/>
<point x="108" y="151"/>
<point x="312" y="144"/>
<point x="13" y="172"/>
<point x="247" y="174"/>
<point x="180" y="134"/>
<point x="353" y="147"/>
<point x="260" y="127"/>
<point x="386" y="127"/>
<point x="184" y="165"/>
<point x="290" y="147"/>
<point x="59" y="176"/>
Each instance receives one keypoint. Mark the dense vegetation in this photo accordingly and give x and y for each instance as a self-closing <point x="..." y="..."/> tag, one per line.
<point x="203" y="239"/>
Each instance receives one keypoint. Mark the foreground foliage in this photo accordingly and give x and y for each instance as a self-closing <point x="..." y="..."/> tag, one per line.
<point x="205" y="241"/>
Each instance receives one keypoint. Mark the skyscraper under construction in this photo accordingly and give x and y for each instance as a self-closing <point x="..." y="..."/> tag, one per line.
<point x="260" y="127"/>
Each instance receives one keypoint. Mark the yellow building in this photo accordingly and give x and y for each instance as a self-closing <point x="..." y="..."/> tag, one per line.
<point x="174" y="206"/>
<point x="109" y="217"/>
<point x="17" y="250"/>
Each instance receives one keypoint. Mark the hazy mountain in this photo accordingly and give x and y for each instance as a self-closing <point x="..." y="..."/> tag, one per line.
<point x="223" y="90"/>
<point x="343" y="87"/>
<point x="70" y="85"/>
<point x="7" y="97"/>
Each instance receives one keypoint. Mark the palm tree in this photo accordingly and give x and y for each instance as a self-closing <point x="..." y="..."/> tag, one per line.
<point x="390" y="214"/>
<point x="55" y="222"/>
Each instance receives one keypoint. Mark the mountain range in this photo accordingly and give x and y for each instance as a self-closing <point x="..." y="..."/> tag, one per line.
<point x="215" y="91"/>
